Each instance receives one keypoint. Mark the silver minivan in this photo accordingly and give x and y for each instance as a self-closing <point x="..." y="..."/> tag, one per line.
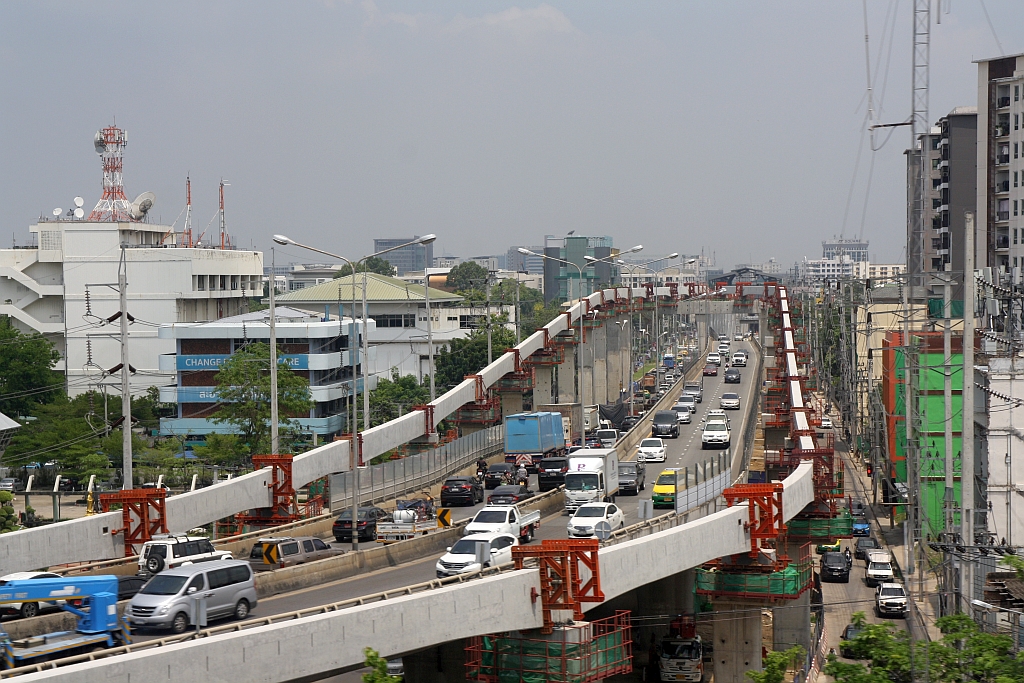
<point x="168" y="599"/>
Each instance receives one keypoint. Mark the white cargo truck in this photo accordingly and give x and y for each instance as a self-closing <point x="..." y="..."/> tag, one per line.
<point x="593" y="477"/>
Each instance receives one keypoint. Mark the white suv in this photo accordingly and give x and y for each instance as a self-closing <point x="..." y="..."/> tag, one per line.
<point x="890" y="598"/>
<point x="715" y="434"/>
<point x="166" y="552"/>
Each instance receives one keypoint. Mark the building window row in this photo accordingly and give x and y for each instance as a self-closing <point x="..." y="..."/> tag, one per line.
<point x="224" y="283"/>
<point x="395" y="320"/>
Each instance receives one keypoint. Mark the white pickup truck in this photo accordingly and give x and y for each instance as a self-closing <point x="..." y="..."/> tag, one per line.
<point x="506" y="519"/>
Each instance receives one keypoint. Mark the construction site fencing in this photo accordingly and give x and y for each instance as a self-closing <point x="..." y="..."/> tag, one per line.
<point x="577" y="653"/>
<point x="835" y="527"/>
<point x="417" y="472"/>
<point x="788" y="583"/>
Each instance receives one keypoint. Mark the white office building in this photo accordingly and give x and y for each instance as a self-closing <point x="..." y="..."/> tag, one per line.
<point x="65" y="287"/>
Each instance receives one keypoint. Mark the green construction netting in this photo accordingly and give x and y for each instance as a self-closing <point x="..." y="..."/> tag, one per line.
<point x="535" y="661"/>
<point x="836" y="527"/>
<point x="789" y="581"/>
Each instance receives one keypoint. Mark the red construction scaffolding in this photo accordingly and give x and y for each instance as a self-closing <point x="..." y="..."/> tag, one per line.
<point x="143" y="515"/>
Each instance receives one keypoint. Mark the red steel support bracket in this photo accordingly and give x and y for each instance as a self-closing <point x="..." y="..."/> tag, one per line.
<point x="149" y="507"/>
<point x="428" y="417"/>
<point x="765" y="507"/>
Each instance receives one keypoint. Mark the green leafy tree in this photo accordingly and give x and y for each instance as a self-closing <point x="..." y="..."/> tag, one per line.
<point x="396" y="396"/>
<point x="965" y="653"/>
<point x="8" y="517"/>
<point x="776" y="664"/>
<point x="65" y="431"/>
<point x="223" y="450"/>
<point x="467" y="279"/>
<point x="378" y="668"/>
<point x="374" y="264"/>
<point x="468" y="356"/>
<point x="27" y="378"/>
<point x="243" y="387"/>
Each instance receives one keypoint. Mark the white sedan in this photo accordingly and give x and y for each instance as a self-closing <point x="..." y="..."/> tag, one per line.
<point x="461" y="558"/>
<point x="582" y="523"/>
<point x="826" y="422"/>
<point x="651" y="450"/>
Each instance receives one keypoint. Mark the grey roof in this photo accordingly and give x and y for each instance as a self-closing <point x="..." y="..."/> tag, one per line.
<point x="280" y="312"/>
<point x="964" y="111"/>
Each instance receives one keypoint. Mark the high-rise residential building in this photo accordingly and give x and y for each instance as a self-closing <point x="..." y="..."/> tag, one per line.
<point x="958" y="188"/>
<point x="836" y="249"/>
<point x="1000" y="162"/>
<point x="562" y="281"/>
<point x="412" y="257"/>
<point x="951" y="178"/>
<point x="922" y="251"/>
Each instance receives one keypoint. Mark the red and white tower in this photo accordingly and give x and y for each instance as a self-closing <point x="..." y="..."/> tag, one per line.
<point x="114" y="205"/>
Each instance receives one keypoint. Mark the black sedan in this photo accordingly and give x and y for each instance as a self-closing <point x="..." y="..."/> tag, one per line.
<point x="863" y="546"/>
<point x="509" y="495"/>
<point x="732" y="376"/>
<point x="496" y="474"/>
<point x="461" y="491"/>
<point x="834" y="568"/>
<point x="849" y="633"/>
<point x="366" y="522"/>
<point x="628" y="423"/>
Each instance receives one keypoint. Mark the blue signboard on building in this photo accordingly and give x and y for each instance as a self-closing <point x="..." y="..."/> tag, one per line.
<point x="213" y="361"/>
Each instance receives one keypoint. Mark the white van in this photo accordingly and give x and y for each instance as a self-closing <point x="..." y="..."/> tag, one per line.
<point x="167" y="600"/>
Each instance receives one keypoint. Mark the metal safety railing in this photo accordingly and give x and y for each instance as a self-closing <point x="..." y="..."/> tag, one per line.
<point x="414" y="473"/>
<point x="263" y="621"/>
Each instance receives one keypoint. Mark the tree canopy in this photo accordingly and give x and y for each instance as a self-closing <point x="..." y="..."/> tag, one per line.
<point x="27" y="377"/>
<point x="965" y="653"/>
<point x="395" y="397"/>
<point x="467" y="277"/>
<point x="243" y="387"/>
<point x="374" y="264"/>
<point x="468" y="356"/>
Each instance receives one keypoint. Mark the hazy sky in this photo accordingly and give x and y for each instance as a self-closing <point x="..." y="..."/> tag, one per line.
<point x="728" y="126"/>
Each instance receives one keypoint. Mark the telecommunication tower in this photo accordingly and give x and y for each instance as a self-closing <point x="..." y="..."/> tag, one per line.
<point x="113" y="206"/>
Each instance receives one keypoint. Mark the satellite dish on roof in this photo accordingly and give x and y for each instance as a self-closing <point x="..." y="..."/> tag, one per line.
<point x="57" y="211"/>
<point x="79" y="212"/>
<point x="79" y="202"/>
<point x="142" y="204"/>
<point x="99" y="143"/>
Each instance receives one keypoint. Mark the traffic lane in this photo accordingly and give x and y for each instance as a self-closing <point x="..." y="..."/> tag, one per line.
<point x="843" y="599"/>
<point x="686" y="451"/>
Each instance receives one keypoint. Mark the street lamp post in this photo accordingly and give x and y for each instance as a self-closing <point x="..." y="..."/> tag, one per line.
<point x="579" y="369"/>
<point x="356" y="449"/>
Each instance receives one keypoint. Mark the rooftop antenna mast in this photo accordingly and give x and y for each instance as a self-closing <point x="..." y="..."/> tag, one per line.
<point x="225" y="241"/>
<point x="113" y="206"/>
<point x="186" y="236"/>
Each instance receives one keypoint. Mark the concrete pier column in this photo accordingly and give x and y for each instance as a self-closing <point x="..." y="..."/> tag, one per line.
<point x="737" y="641"/>
<point x="542" y="389"/>
<point x="668" y="597"/>
<point x="791" y="624"/>
<point x="599" y="348"/>
<point x="566" y="374"/>
<point x="613" y="340"/>
<point x="586" y="373"/>
<point x="511" y="403"/>
<point x="440" y="664"/>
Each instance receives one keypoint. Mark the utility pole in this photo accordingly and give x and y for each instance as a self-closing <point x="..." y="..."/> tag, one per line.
<point x="275" y="436"/>
<point x="947" y="394"/>
<point x="487" y="309"/>
<point x="126" y="396"/>
<point x="430" y="330"/>
<point x="967" y="430"/>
